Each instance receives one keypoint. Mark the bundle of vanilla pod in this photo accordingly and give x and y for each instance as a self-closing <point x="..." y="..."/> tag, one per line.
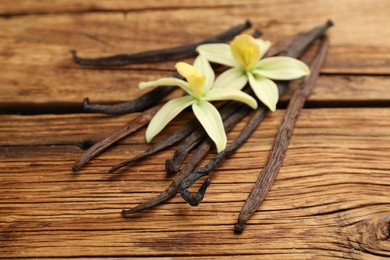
<point x="244" y="87"/>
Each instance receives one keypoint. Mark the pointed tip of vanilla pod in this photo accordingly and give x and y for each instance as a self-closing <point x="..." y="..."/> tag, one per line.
<point x="257" y="33"/>
<point x="85" y="104"/>
<point x="128" y="162"/>
<point x="75" y="168"/>
<point x="125" y="212"/>
<point x="248" y="23"/>
<point x="79" y="60"/>
<point x="85" y="101"/>
<point x="238" y="228"/>
<point x="113" y="169"/>
<point x="169" y="166"/>
<point x="329" y="23"/>
<point x="74" y="55"/>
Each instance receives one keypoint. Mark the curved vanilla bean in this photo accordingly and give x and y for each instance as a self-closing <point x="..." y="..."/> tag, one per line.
<point x="206" y="144"/>
<point x="175" y="53"/>
<point x="173" y="165"/>
<point x="194" y="200"/>
<point x="188" y="130"/>
<point x="166" y="142"/>
<point x="142" y="120"/>
<point x="229" y="123"/>
<point x="295" y="47"/>
<point x="135" y="105"/>
<point x="300" y="42"/>
<point x="251" y="126"/>
<point x="197" y="157"/>
<point x="171" y="139"/>
<point x="279" y="148"/>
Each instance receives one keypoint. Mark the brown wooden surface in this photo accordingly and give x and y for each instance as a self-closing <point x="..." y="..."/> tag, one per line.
<point x="330" y="200"/>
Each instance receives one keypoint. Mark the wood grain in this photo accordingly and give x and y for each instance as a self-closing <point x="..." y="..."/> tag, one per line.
<point x="39" y="45"/>
<point x="31" y="7"/>
<point x="330" y="198"/>
<point x="110" y="86"/>
<point x="75" y="129"/>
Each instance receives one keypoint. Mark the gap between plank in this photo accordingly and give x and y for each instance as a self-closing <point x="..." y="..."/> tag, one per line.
<point x="9" y="15"/>
<point x="77" y="108"/>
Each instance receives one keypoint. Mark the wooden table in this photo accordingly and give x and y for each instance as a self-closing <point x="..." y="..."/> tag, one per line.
<point x="330" y="200"/>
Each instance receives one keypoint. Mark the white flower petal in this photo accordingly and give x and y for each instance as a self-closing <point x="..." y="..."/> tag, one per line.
<point x="281" y="68"/>
<point x="232" y="78"/>
<point x="166" y="82"/>
<point x="169" y="111"/>
<point x="264" y="46"/>
<point x="211" y="121"/>
<point x="231" y="94"/>
<point x="218" y="53"/>
<point x="205" y="69"/>
<point x="265" y="89"/>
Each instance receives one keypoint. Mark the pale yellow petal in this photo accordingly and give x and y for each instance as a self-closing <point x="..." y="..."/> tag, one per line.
<point x="281" y="68"/>
<point x="211" y="121"/>
<point x="205" y="69"/>
<point x="166" y="82"/>
<point x="231" y="94"/>
<point x="265" y="89"/>
<point x="218" y="53"/>
<point x="232" y="78"/>
<point x="264" y="46"/>
<point x="169" y="111"/>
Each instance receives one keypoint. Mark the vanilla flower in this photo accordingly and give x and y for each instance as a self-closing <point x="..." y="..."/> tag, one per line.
<point x="244" y="56"/>
<point x="200" y="89"/>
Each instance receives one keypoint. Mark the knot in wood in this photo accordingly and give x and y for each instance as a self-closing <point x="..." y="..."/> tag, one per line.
<point x="383" y="228"/>
<point x="372" y="236"/>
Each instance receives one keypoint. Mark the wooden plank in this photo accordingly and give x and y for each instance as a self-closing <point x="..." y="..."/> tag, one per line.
<point x="329" y="200"/>
<point x="346" y="89"/>
<point x="104" y="34"/>
<point x="79" y="129"/>
<point x="354" y="31"/>
<point x="110" y="86"/>
<point x="31" y="7"/>
<point x="39" y="45"/>
<point x="76" y="129"/>
<point x="67" y="86"/>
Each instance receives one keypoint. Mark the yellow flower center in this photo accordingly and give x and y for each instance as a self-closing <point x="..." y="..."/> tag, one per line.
<point x="194" y="78"/>
<point x="245" y="50"/>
